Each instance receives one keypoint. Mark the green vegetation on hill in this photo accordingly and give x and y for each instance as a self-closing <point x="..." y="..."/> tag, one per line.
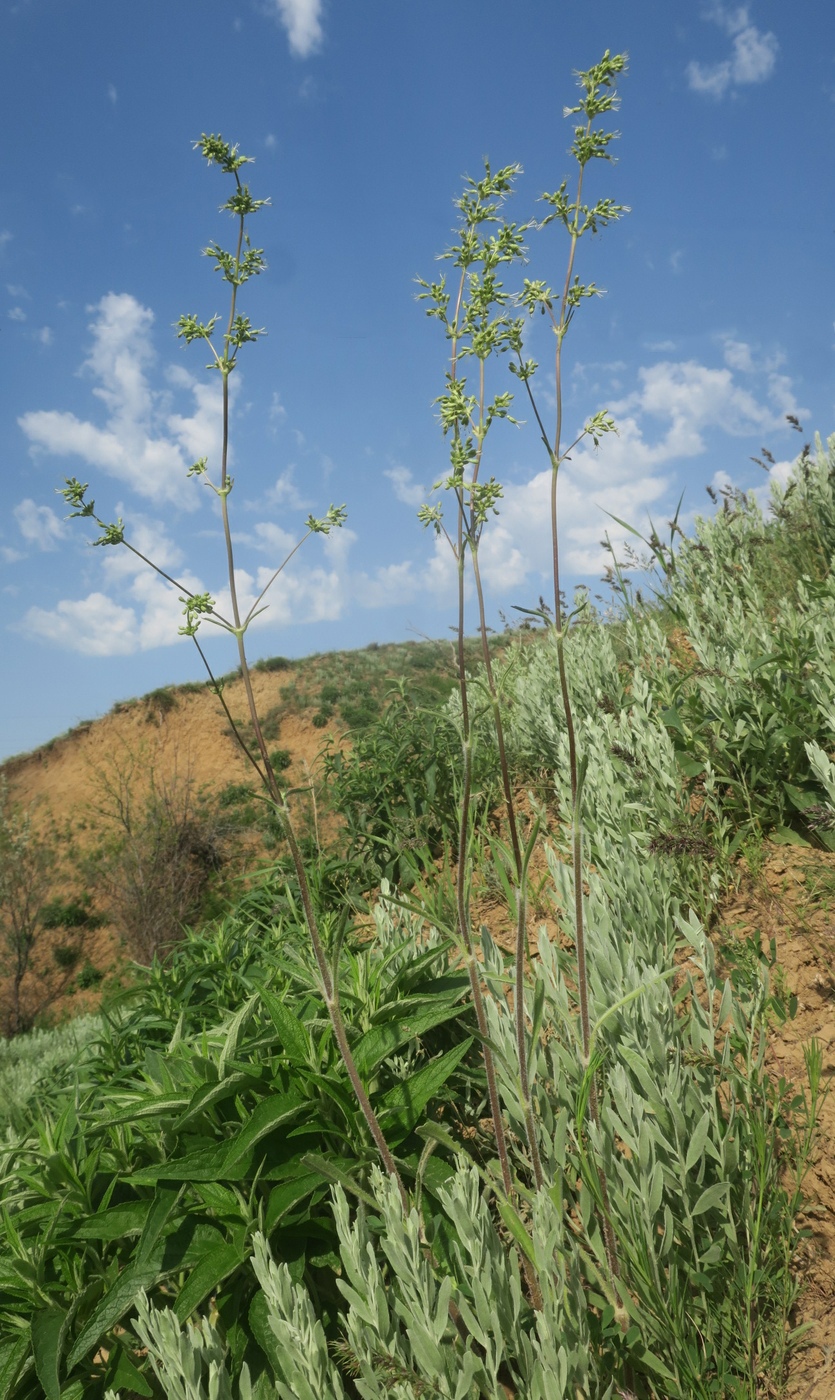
<point x="200" y="1146"/>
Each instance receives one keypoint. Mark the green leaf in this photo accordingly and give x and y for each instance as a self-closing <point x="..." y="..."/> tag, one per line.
<point x="259" y="1321"/>
<point x="697" y="1142"/>
<point x="143" y="1272"/>
<point x="800" y="798"/>
<point x="268" y="1116"/>
<point x="672" y="719"/>
<point x="195" y="1166"/>
<point x="116" y="1223"/>
<point x="210" y="1094"/>
<point x="690" y="767"/>
<point x="127" y="1377"/>
<point x="143" y="1108"/>
<point x="381" y="1041"/>
<point x="165" y="1199"/>
<point x="656" y="1189"/>
<point x="116" y="1302"/>
<point x="47" y="1341"/>
<point x="12" y="1356"/>
<point x="515" y="1225"/>
<point x="711" y="1198"/>
<point x="336" y="1172"/>
<point x="233" y="1034"/>
<point x="404" y="1104"/>
<point x="213" y="1268"/>
<point x="784" y="836"/>
<point x="292" y="1033"/>
<point x="288" y="1194"/>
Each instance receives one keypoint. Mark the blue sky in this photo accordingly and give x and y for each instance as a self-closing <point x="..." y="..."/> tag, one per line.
<point x="363" y="117"/>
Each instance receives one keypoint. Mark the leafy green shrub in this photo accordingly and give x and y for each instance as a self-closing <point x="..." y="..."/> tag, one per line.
<point x="76" y="912"/>
<point x="160" y="702"/>
<point x="398" y="788"/>
<point x="273" y="663"/>
<point x="762" y="679"/>
<point x="281" y="760"/>
<point x="196" y="1123"/>
<point x="66" y="955"/>
<point x="38" y="1070"/>
<point x="89" y="977"/>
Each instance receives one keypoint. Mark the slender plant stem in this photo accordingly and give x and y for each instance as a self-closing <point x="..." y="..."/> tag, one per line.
<point x="557" y="457"/>
<point x="521" y="944"/>
<point x="326" y="976"/>
<point x="461" y="877"/>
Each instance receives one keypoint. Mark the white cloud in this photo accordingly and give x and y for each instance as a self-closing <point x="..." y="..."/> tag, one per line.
<point x="630" y="475"/>
<point x="45" y="335"/>
<point x="150" y="538"/>
<point x="112" y="93"/>
<point x="738" y="355"/>
<point x="15" y="290"/>
<point x="302" y="21"/>
<point x="269" y="538"/>
<point x="94" y="626"/>
<point x="406" y="489"/>
<point x="140" y="443"/>
<point x="10" y="556"/>
<point x="270" y="141"/>
<point x="39" y="524"/>
<point x="286" y="493"/>
<point x="694" y="397"/>
<point x="753" y="55"/>
<point x="16" y="313"/>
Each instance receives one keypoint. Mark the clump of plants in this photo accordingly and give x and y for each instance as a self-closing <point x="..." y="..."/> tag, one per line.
<point x="337" y="1147"/>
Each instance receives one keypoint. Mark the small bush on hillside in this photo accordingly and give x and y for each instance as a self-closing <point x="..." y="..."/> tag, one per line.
<point x="156" y="872"/>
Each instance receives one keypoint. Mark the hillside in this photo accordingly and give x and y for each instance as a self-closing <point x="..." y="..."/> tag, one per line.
<point x="688" y="1227"/>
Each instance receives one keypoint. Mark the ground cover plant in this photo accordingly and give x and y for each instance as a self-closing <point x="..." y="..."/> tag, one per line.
<point x="337" y="1143"/>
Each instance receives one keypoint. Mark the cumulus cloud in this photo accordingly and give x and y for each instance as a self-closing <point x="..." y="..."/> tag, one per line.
<point x="406" y="489"/>
<point x="94" y="626"/>
<point x="285" y="493"/>
<point x="665" y="420"/>
<point x="752" y="59"/>
<point x="302" y="20"/>
<point x="38" y="524"/>
<point x="140" y="443"/>
<point x="16" y="313"/>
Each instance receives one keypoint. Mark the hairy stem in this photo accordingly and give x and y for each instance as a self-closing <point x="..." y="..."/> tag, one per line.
<point x="521" y="941"/>
<point x="327" y="977"/>
<point x="461" y="880"/>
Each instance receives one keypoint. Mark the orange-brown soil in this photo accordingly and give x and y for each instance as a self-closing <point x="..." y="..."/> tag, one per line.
<point x="62" y="786"/>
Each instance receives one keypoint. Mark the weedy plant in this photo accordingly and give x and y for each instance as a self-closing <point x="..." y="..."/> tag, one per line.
<point x="622" y="1220"/>
<point x="237" y="267"/>
<point x="475" y="315"/>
